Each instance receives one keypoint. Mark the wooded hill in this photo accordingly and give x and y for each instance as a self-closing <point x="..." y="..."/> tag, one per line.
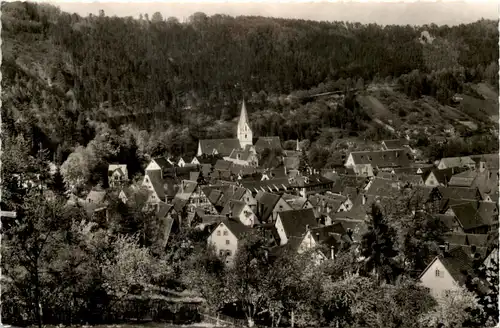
<point x="62" y="72"/>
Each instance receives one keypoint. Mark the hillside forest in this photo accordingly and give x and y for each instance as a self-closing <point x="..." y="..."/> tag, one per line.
<point x="84" y="92"/>
<point x="154" y="86"/>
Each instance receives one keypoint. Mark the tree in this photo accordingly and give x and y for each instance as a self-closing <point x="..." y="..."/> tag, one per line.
<point x="452" y="311"/>
<point x="30" y="245"/>
<point x="246" y="275"/>
<point x="303" y="163"/>
<point x="76" y="169"/>
<point x="57" y="183"/>
<point x="378" y="247"/>
<point x="157" y="17"/>
<point x="131" y="268"/>
<point x="205" y="272"/>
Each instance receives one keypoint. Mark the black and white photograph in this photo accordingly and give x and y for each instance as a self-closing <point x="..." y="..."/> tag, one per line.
<point x="249" y="164"/>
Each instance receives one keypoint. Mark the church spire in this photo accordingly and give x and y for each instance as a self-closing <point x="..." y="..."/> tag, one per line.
<point x="243" y="114"/>
<point x="244" y="132"/>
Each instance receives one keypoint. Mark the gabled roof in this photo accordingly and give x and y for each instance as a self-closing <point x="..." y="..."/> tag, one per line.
<point x="395" y="144"/>
<point x="236" y="227"/>
<point x="459" y="193"/>
<point x="327" y="201"/>
<point x="233" y="208"/>
<point x="223" y="165"/>
<point x="268" y="201"/>
<point x="345" y="181"/>
<point x="468" y="216"/>
<point x="457" y="262"/>
<point x="382" y="187"/>
<point x="442" y="176"/>
<point x="113" y="167"/>
<point x="296" y="222"/>
<point x="224" y="147"/>
<point x="457" y="161"/>
<point x="296" y="202"/>
<point x="267" y="142"/>
<point x="186" y="189"/>
<point x="244" y="155"/>
<point x="163" y="210"/>
<point x="179" y="204"/>
<point x="163" y="163"/>
<point x="383" y="158"/>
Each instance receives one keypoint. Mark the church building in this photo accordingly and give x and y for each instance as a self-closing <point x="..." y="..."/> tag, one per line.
<point x="243" y="140"/>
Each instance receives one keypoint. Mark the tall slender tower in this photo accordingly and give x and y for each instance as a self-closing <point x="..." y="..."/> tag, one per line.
<point x="244" y="133"/>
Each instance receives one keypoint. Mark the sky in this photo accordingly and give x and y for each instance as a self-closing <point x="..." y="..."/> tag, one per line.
<point x="384" y="13"/>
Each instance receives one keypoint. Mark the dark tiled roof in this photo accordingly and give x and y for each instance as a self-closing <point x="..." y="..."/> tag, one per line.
<point x="179" y="204"/>
<point x="163" y="163"/>
<point x="233" y="208"/>
<point x="348" y="181"/>
<point x="208" y="159"/>
<point x="468" y="216"/>
<point x="268" y="142"/>
<point x="224" y="147"/>
<point x="243" y="154"/>
<point x="236" y="227"/>
<point x="382" y="187"/>
<point x="458" y="263"/>
<point x="395" y="144"/>
<point x="163" y="210"/>
<point x="383" y="158"/>
<point x="157" y="182"/>
<point x="459" y="193"/>
<point x="442" y="176"/>
<point x="295" y="222"/>
<point x="268" y="202"/>
<point x="457" y="161"/>
<point x="296" y="202"/>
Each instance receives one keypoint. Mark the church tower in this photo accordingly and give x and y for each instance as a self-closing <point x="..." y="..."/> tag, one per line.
<point x="245" y="135"/>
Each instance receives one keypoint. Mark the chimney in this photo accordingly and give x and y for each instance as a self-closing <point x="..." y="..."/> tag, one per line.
<point x="307" y="227"/>
<point x="332" y="252"/>
<point x="364" y="199"/>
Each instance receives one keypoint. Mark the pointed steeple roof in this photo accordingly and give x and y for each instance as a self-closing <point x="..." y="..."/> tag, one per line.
<point x="243" y="115"/>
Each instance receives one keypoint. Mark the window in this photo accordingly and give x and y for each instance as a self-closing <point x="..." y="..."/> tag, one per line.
<point x="221" y="253"/>
<point x="228" y="253"/>
<point x="225" y="233"/>
<point x="227" y="242"/>
<point x="218" y="233"/>
<point x="439" y="273"/>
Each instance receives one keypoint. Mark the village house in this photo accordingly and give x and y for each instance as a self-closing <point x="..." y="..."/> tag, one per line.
<point x="117" y="175"/>
<point x="269" y="206"/>
<point x="267" y="143"/>
<point x="473" y="217"/>
<point x="168" y="223"/>
<point x="226" y="236"/>
<point x="294" y="223"/>
<point x="448" y="271"/>
<point x="240" y="210"/>
<point x="458" y="162"/>
<point x="365" y="162"/>
<point x="296" y="202"/>
<point x="243" y="157"/>
<point x="395" y="144"/>
<point x="190" y="197"/>
<point x="153" y="182"/>
<point x="324" y="205"/>
<point x="161" y="164"/>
